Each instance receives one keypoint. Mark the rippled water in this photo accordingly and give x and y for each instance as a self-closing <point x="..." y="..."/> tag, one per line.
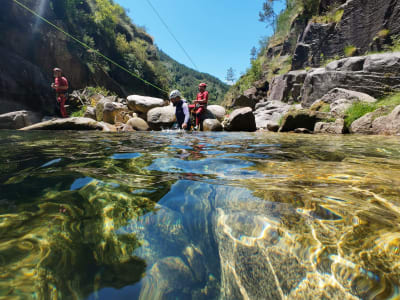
<point x="198" y="216"/>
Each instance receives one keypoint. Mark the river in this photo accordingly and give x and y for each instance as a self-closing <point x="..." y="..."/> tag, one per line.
<point x="87" y="215"/>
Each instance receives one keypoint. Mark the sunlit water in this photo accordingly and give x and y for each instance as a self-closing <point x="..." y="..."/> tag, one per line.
<point x="198" y="216"/>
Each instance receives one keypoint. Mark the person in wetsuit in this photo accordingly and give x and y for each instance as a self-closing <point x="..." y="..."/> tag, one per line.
<point x="181" y="109"/>
<point x="60" y="85"/>
<point x="200" y="104"/>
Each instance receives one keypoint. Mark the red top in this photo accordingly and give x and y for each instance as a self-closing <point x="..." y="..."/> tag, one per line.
<point x="202" y="96"/>
<point x="61" y="82"/>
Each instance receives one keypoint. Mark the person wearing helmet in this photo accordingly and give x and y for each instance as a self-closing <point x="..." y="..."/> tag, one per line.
<point x="60" y="85"/>
<point x="181" y="109"/>
<point x="200" y="104"/>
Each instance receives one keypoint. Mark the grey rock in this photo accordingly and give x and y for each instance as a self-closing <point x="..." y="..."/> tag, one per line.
<point x="337" y="127"/>
<point x="90" y="113"/>
<point x="301" y="119"/>
<point x="244" y="101"/>
<point x="18" y="119"/>
<point x="100" y="107"/>
<point x="111" y="110"/>
<point x="161" y="117"/>
<point x="340" y="93"/>
<point x="287" y="88"/>
<point x="270" y="113"/>
<point x="212" y="125"/>
<point x="241" y="119"/>
<point x="138" y="124"/>
<point x="143" y="104"/>
<point x="70" y="124"/>
<point x="384" y="78"/>
<point x="217" y="111"/>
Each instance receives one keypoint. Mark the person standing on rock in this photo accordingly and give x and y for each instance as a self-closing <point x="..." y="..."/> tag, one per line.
<point x="60" y="85"/>
<point x="200" y="104"/>
<point x="182" y="109"/>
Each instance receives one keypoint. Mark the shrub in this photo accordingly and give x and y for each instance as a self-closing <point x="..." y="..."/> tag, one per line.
<point x="350" y="50"/>
<point x="79" y="113"/>
<point x="357" y="110"/>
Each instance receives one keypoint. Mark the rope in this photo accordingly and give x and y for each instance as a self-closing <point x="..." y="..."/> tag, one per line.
<point x="88" y="47"/>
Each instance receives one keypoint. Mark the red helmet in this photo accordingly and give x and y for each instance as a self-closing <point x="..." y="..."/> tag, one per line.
<point x="203" y="84"/>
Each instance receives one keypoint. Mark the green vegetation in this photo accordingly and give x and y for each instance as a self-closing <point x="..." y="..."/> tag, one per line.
<point x="186" y="80"/>
<point x="383" y="33"/>
<point x="93" y="90"/>
<point x="333" y="16"/>
<point x="359" y="109"/>
<point x="350" y="50"/>
<point x="80" y="112"/>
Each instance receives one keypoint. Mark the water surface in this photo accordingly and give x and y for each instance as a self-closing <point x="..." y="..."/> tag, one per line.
<point x="198" y="216"/>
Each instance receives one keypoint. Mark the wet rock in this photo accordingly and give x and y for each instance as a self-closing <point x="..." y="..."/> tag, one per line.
<point x="18" y="119"/>
<point x="381" y="121"/>
<point x="337" y="127"/>
<point x="301" y="119"/>
<point x="378" y="76"/>
<point x="90" y="113"/>
<point x="273" y="127"/>
<point x="217" y="111"/>
<point x="111" y="110"/>
<point x="100" y="108"/>
<point x="212" y="125"/>
<point x="70" y="124"/>
<point x="241" y="119"/>
<point x="138" y="124"/>
<point x="303" y="131"/>
<point x="161" y="117"/>
<point x="143" y="104"/>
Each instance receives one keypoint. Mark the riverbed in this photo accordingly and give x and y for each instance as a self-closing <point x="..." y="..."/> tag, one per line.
<point x="87" y="215"/>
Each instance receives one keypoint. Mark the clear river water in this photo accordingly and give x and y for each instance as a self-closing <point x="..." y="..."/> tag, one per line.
<point x="86" y="215"/>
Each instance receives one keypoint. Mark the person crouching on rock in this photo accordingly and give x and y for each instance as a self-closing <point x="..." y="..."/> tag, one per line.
<point x="182" y="109"/>
<point x="60" y="85"/>
<point x="200" y="104"/>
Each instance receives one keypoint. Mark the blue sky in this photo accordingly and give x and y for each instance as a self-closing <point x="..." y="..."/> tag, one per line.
<point x="217" y="34"/>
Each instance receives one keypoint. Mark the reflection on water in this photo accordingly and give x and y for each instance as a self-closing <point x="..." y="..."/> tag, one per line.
<point x="198" y="216"/>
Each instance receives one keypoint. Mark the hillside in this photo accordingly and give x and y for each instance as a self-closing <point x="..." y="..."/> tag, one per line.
<point x="31" y="48"/>
<point x="186" y="79"/>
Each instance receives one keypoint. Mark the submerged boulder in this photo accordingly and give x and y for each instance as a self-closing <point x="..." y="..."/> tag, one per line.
<point x="70" y="124"/>
<point x="241" y="119"/>
<point x="161" y="117"/>
<point x="18" y="119"/>
<point x="143" y="104"/>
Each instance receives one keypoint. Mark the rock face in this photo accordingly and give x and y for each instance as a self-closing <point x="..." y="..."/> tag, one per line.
<point x="320" y="41"/>
<point x="161" y="117"/>
<point x="18" y="119"/>
<point x="301" y="119"/>
<point x="378" y="122"/>
<point x="337" y="127"/>
<point x="142" y="104"/>
<point x="287" y="88"/>
<point x="212" y="125"/>
<point x="70" y="124"/>
<point x="241" y="119"/>
<point x="375" y="75"/>
<point x="138" y="124"/>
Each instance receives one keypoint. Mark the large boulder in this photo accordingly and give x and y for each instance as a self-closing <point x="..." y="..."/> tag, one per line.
<point x="217" y="111"/>
<point x="138" y="124"/>
<point x="161" y="117"/>
<point x="241" y="119"/>
<point x="378" y="122"/>
<point x="143" y="104"/>
<point x="269" y="113"/>
<point x="212" y="125"/>
<point x="303" y="118"/>
<point x="18" y="119"/>
<point x="70" y="124"/>
<point x="244" y="101"/>
<point x="337" y="127"/>
<point x="375" y="75"/>
<point x="113" y="111"/>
